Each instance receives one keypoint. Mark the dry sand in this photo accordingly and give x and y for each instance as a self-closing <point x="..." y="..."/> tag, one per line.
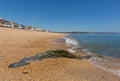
<point x="16" y="44"/>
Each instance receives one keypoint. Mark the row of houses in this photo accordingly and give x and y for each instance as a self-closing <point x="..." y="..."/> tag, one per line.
<point x="6" y="23"/>
<point x="9" y="24"/>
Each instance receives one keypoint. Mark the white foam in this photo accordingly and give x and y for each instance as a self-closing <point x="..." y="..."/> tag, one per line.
<point x="99" y="62"/>
<point x="84" y="49"/>
<point x="70" y="42"/>
<point x="72" y="51"/>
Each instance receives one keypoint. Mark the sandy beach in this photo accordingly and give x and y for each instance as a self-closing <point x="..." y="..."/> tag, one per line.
<point x="16" y="44"/>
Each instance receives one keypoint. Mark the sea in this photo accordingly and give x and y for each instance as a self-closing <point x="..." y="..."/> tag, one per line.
<point x="107" y="45"/>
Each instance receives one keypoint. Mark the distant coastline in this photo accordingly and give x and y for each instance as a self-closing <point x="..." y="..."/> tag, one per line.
<point x="89" y="32"/>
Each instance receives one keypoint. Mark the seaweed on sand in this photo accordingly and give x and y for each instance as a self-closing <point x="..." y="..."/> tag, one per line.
<point x="48" y="54"/>
<point x="59" y="53"/>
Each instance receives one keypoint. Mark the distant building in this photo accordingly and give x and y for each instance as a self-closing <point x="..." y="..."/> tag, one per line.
<point x="1" y="23"/>
<point x="12" y="25"/>
<point x="37" y="28"/>
<point x="28" y="28"/>
<point x="22" y="26"/>
<point x="16" y="25"/>
<point x="46" y="30"/>
<point x="5" y="23"/>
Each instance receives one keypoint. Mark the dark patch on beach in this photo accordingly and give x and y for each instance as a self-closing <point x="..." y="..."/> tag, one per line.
<point x="2" y="56"/>
<point x="48" y="54"/>
<point x="25" y="72"/>
<point x="103" y="76"/>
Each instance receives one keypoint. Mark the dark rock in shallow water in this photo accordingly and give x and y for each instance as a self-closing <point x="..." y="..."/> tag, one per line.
<point x="48" y="54"/>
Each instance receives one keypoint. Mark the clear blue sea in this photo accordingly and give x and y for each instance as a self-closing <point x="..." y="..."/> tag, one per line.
<point x="105" y="44"/>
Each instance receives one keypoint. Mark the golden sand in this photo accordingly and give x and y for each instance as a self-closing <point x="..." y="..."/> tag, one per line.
<point x="16" y="44"/>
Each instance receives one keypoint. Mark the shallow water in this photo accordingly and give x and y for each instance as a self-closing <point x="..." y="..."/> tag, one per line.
<point x="107" y="45"/>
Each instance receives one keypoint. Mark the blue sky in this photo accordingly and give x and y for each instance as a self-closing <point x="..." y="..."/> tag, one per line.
<point x="64" y="15"/>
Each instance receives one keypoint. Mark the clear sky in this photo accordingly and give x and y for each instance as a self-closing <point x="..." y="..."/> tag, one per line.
<point x="64" y="15"/>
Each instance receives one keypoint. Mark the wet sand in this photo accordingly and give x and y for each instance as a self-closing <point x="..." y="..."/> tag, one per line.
<point x="16" y="44"/>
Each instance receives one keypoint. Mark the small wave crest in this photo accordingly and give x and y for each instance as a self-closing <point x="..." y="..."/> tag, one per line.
<point x="73" y="45"/>
<point x="71" y="42"/>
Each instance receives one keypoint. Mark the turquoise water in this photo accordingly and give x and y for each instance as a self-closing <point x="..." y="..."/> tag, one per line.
<point x="105" y="44"/>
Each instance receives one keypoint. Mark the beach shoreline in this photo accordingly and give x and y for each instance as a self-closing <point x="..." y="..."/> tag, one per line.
<point x="17" y="44"/>
<point x="106" y="63"/>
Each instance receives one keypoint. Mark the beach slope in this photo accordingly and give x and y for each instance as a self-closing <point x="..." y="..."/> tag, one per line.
<point x="16" y="44"/>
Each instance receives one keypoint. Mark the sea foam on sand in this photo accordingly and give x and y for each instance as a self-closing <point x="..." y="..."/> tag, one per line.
<point x="109" y="65"/>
